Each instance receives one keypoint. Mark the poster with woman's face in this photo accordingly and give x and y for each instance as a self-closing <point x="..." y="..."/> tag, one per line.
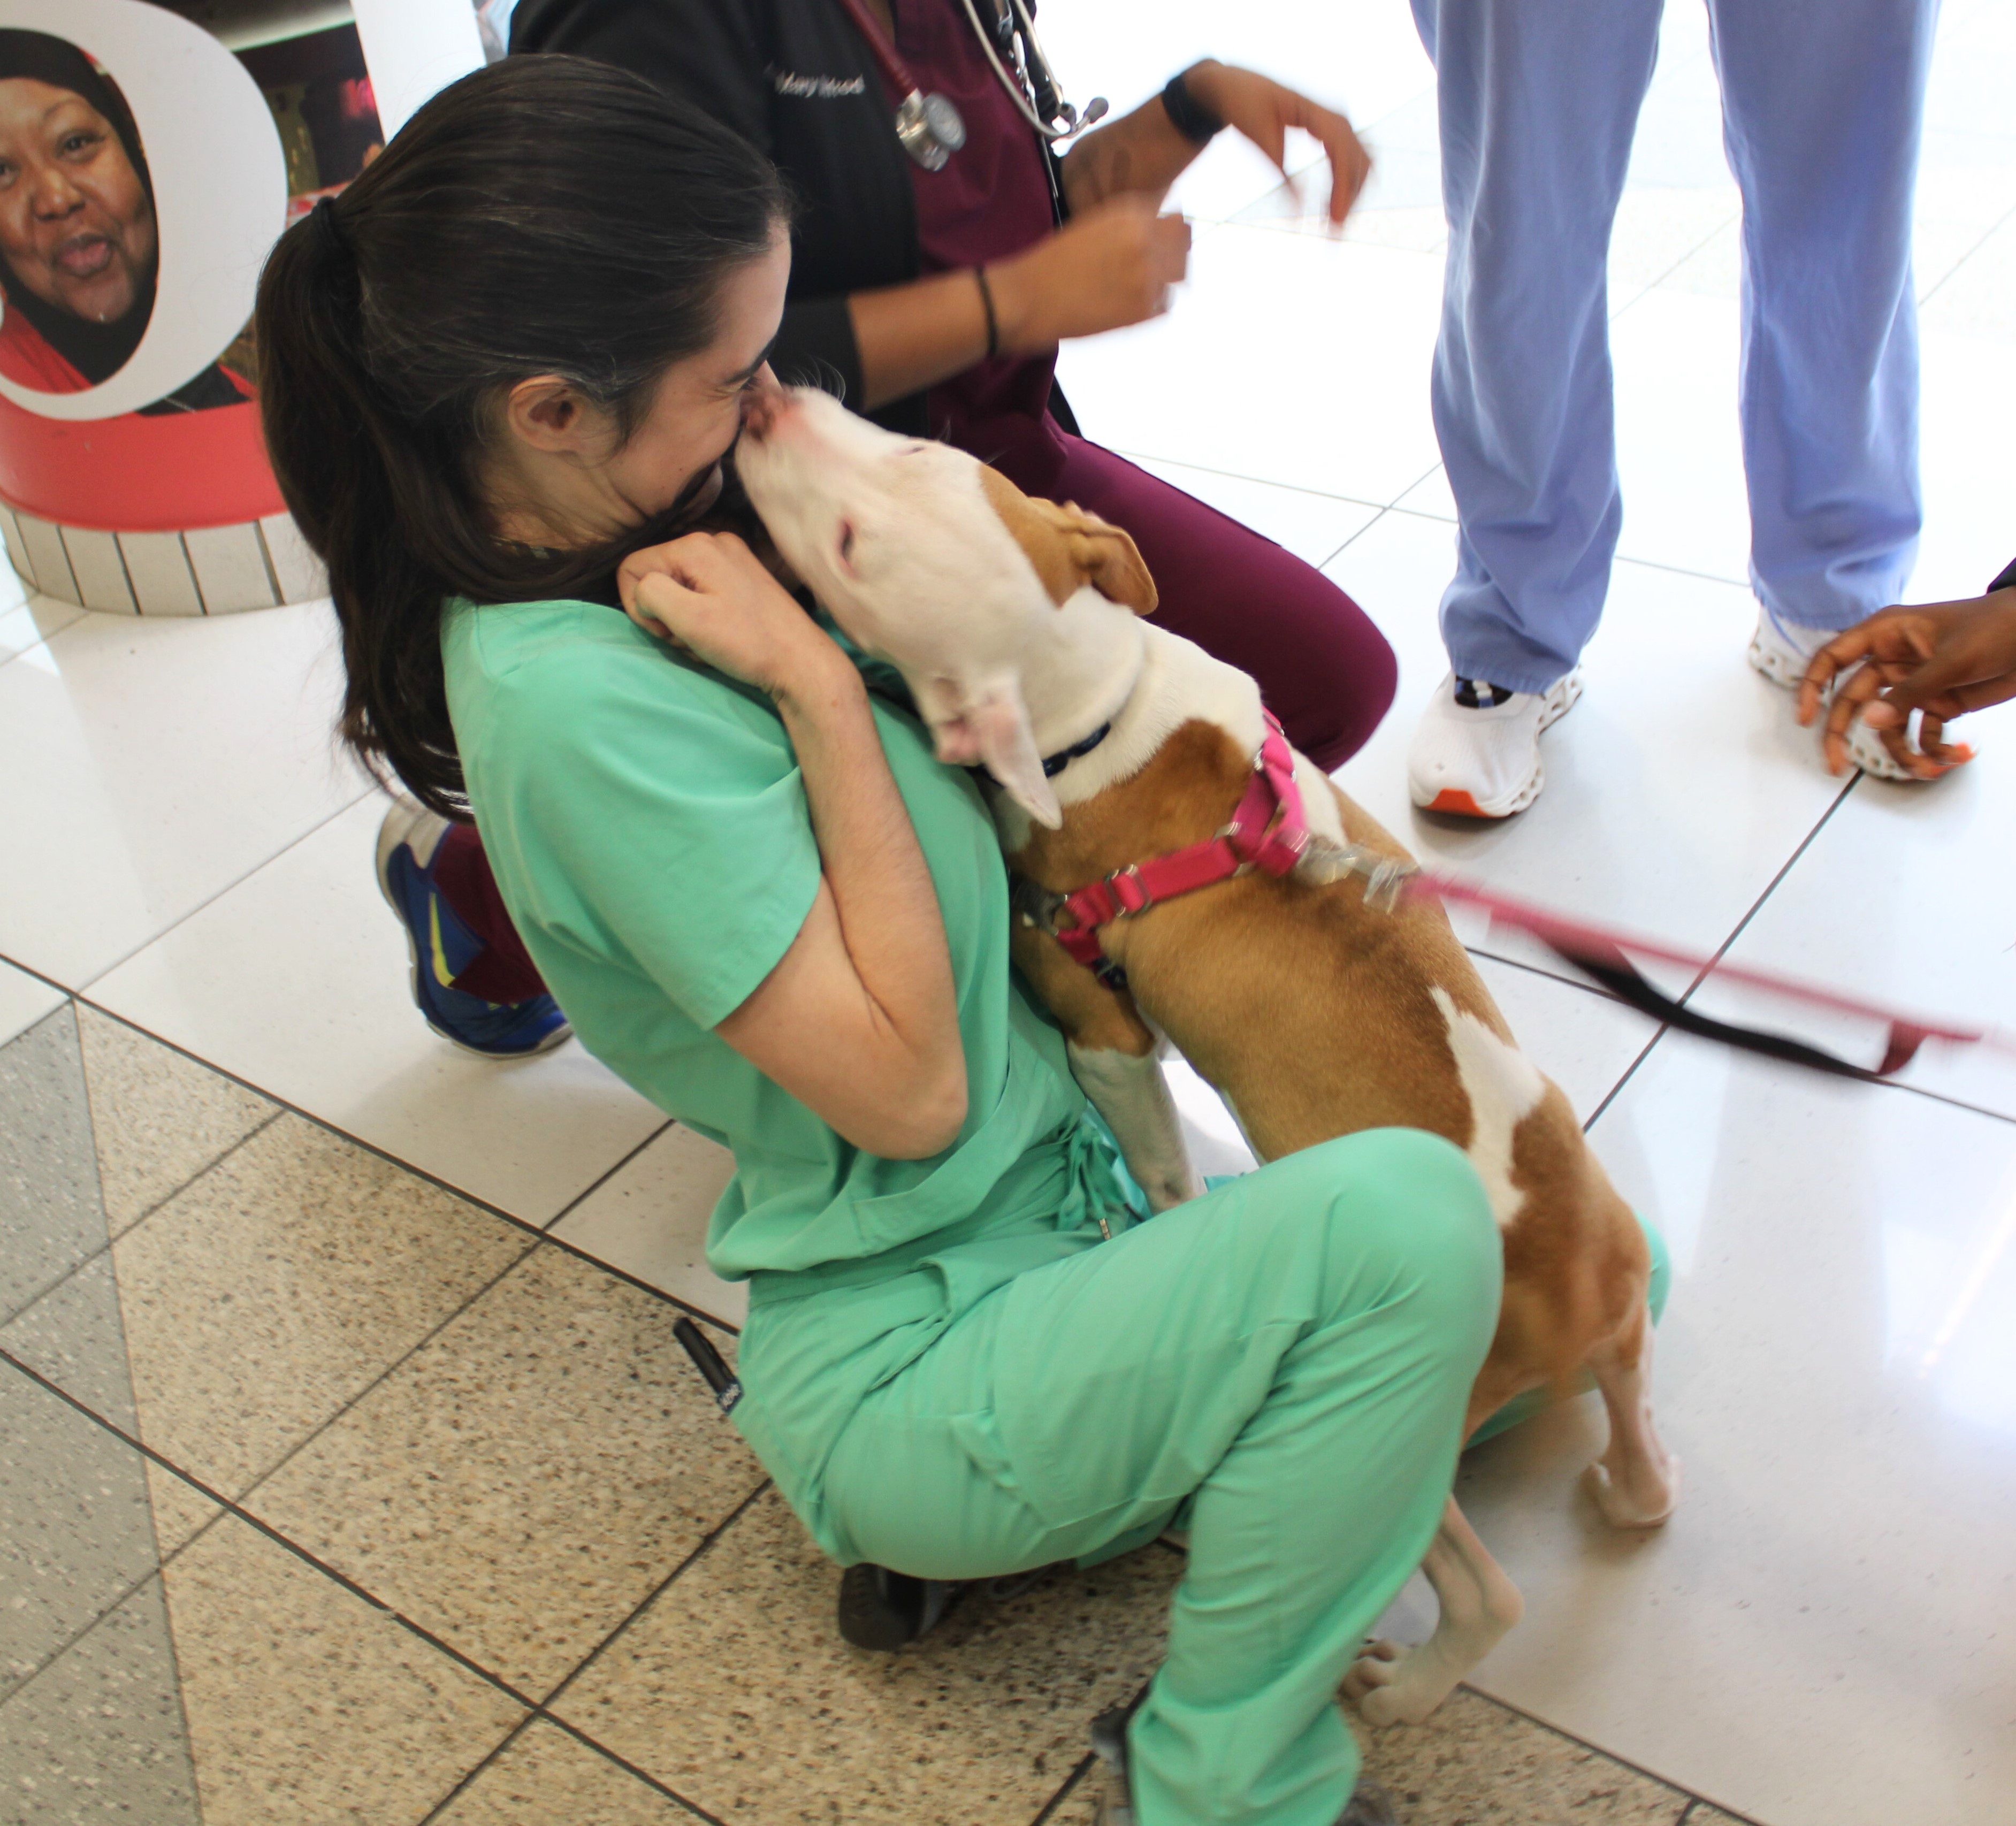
<point x="150" y="153"/>
<point x="77" y="221"/>
<point x="79" y="241"/>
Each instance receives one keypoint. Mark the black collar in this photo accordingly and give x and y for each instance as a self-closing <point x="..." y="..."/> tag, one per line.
<point x="1054" y="764"/>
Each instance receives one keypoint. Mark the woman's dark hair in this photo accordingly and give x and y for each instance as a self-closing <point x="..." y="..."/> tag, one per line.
<point x="97" y="350"/>
<point x="546" y="215"/>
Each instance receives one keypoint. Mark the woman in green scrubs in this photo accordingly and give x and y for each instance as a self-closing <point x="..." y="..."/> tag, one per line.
<point x="490" y="397"/>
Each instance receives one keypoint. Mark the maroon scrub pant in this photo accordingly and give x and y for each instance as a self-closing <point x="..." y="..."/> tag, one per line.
<point x="1324" y="670"/>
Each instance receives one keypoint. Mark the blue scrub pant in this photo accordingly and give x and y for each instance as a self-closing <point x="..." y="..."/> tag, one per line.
<point x="1822" y="105"/>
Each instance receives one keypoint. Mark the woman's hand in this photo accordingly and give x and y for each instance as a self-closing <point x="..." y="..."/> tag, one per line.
<point x="1943" y="659"/>
<point x="1263" y="110"/>
<point x="1109" y="266"/>
<point x="708" y="593"/>
<point x="1141" y="154"/>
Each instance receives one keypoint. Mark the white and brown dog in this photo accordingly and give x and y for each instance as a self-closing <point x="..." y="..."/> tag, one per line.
<point x="1015" y="623"/>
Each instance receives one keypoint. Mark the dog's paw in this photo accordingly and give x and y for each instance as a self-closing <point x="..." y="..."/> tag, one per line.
<point x="1378" y="1687"/>
<point x="1647" y="1502"/>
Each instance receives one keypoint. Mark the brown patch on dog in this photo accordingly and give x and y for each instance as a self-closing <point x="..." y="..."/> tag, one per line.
<point x="1071" y="548"/>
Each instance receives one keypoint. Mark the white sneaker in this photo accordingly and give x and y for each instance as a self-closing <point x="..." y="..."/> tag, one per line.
<point x="1782" y="650"/>
<point x="1477" y="749"/>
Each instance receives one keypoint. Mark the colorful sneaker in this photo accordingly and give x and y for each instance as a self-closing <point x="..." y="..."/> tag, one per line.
<point x="1370" y="1804"/>
<point x="1782" y="650"/>
<point x="442" y="947"/>
<point x="1477" y="749"/>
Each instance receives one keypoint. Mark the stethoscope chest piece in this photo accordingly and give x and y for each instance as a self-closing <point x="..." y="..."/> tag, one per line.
<point x="929" y="128"/>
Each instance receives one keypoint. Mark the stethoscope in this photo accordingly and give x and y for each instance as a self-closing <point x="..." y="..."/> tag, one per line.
<point x="929" y="126"/>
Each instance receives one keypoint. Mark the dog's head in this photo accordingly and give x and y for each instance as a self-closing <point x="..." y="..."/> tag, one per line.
<point x="930" y="560"/>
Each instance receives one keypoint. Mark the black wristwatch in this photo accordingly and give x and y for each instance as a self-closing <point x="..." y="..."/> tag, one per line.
<point x="1188" y="115"/>
<point x="2003" y="582"/>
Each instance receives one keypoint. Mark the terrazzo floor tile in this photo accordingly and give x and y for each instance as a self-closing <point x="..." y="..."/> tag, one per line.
<point x="97" y="1737"/>
<point x="520" y="1485"/>
<point x="73" y="1335"/>
<point x="51" y="1219"/>
<point x="23" y="1001"/>
<point x="547" y="1776"/>
<point x="75" y="1533"/>
<point x="307" y="1705"/>
<point x="158" y="1116"/>
<point x="272" y="1290"/>
<point x="650" y="1219"/>
<point x="735" y="1690"/>
<point x="1474" y="1763"/>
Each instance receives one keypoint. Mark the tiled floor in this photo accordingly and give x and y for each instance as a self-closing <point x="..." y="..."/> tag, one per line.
<point x="348" y="1470"/>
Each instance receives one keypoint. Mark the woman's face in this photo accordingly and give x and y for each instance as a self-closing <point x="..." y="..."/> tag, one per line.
<point x="695" y="414"/>
<point x="77" y="226"/>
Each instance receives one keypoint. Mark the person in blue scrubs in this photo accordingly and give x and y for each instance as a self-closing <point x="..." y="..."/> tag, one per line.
<point x="1822" y="107"/>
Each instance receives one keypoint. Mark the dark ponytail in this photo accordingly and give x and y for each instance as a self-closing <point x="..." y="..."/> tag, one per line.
<point x="546" y="215"/>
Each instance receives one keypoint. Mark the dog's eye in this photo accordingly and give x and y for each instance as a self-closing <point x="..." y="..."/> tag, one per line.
<point x="846" y="541"/>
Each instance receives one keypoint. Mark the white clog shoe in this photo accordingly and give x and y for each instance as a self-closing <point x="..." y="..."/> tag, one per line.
<point x="1476" y="751"/>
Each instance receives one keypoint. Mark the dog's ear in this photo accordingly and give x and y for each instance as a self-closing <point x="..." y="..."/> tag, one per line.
<point x="989" y="727"/>
<point x="1071" y="548"/>
<point x="1102" y="555"/>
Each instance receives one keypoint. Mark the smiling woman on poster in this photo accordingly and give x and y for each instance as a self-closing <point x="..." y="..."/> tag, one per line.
<point x="80" y="247"/>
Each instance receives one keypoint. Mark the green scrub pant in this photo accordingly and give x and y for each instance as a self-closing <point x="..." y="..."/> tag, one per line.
<point x="1286" y="1359"/>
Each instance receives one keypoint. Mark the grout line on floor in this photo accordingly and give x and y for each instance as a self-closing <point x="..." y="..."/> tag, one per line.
<point x="490" y="1757"/>
<point x="603" y="1179"/>
<point x="266" y="1476"/>
<point x="624" y="1762"/>
<point x="1946" y="279"/>
<point x="1630" y="1071"/>
<point x="642" y="1286"/>
<point x="258" y="868"/>
<point x="534" y="1709"/>
<point x="1230" y="475"/>
<point x="651" y="1597"/>
<point x="320" y="1123"/>
<point x="106" y="1249"/>
<point x="274" y="1535"/>
<point x="1686" y="1794"/>
<point x="468" y="1197"/>
<point x="1771" y="887"/>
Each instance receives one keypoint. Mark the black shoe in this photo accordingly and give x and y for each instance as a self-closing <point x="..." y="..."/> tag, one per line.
<point x="1370" y="1804"/>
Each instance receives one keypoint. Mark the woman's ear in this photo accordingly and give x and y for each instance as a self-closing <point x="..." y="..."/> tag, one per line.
<point x="550" y="414"/>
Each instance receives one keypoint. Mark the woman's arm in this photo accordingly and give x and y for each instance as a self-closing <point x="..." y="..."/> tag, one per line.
<point x="1144" y="153"/>
<point x="1111" y="266"/>
<point x="859" y="1019"/>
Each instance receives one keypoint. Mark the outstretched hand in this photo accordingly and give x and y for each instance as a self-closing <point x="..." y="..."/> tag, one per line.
<point x="1263" y="110"/>
<point x="1941" y="659"/>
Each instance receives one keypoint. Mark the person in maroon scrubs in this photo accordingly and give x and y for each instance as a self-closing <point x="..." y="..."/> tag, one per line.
<point x="934" y="301"/>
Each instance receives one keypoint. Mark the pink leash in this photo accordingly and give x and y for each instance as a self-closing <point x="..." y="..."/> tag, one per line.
<point x="1599" y="952"/>
<point x="1269" y="831"/>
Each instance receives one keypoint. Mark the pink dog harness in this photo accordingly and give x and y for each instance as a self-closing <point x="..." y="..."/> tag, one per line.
<point x="1268" y="831"/>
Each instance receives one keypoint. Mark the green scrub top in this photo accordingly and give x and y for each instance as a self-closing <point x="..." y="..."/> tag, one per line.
<point x="647" y="826"/>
